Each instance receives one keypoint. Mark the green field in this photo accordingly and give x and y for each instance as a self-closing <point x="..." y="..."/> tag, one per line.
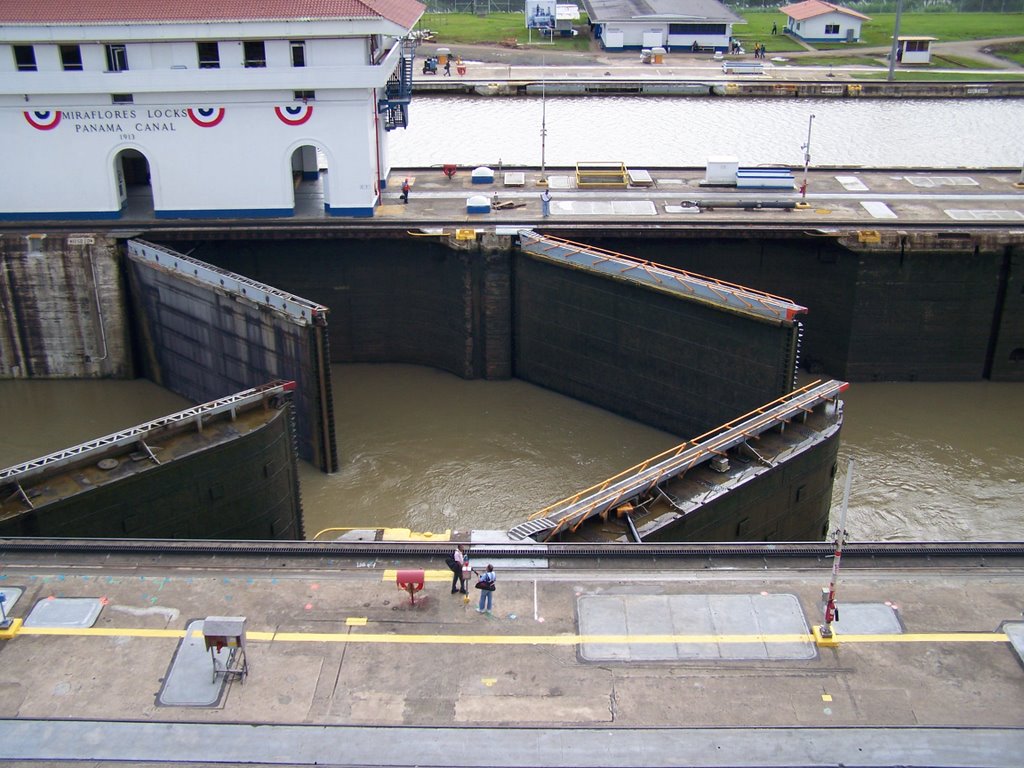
<point x="966" y="76"/>
<point x="496" y="28"/>
<point x="1012" y="52"/>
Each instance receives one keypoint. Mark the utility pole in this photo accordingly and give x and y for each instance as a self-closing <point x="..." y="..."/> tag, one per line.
<point x="807" y="158"/>
<point x="824" y="632"/>
<point x="895" y="42"/>
<point x="543" y="123"/>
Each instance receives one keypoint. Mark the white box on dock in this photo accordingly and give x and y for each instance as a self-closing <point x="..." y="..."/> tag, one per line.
<point x="721" y="170"/>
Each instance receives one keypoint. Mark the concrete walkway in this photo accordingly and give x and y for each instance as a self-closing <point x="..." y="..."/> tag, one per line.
<point x="647" y="663"/>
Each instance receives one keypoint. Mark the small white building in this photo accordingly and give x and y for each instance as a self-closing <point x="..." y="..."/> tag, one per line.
<point x="816" y="21"/>
<point x="914" y="49"/>
<point x="213" y="108"/>
<point x="669" y="24"/>
<point x="567" y="15"/>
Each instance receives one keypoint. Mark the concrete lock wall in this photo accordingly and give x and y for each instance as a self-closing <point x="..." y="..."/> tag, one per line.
<point x="676" y="364"/>
<point x="203" y="343"/>
<point x="62" y="301"/>
<point x="1007" y="344"/>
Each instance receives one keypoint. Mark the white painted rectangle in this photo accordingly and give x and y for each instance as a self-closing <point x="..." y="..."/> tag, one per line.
<point x="852" y="183"/>
<point x="878" y="210"/>
<point x="638" y="178"/>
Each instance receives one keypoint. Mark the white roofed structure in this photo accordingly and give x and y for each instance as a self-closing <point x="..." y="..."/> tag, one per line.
<point x="201" y="108"/>
<point x="637" y="24"/>
<point x="818" y="21"/>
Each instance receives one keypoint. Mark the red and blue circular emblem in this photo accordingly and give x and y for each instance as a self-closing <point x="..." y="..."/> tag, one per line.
<point x="296" y="115"/>
<point x="43" y="120"/>
<point x="206" y="117"/>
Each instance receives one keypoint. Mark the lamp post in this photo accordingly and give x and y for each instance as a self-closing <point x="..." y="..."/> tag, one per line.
<point x="895" y="42"/>
<point x="543" y="123"/>
<point x="831" y="611"/>
<point x="807" y="158"/>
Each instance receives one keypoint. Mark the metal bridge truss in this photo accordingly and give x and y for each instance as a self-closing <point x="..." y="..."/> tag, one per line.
<point x="719" y="293"/>
<point x="136" y="436"/>
<point x="570" y="513"/>
<point x="296" y="308"/>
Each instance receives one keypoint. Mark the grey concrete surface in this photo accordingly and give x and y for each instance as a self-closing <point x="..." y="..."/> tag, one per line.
<point x="488" y="747"/>
<point x="345" y="671"/>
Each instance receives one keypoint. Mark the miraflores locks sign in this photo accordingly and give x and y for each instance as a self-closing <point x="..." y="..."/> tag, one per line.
<point x="128" y="122"/>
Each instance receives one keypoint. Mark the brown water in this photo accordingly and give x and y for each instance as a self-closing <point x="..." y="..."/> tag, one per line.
<point x="427" y="450"/>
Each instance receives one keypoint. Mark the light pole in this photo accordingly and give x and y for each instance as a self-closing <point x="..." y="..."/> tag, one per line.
<point x="895" y="42"/>
<point x="543" y="123"/>
<point x="824" y="632"/>
<point x="807" y="158"/>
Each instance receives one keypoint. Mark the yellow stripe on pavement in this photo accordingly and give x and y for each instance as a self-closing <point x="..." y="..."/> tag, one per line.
<point x="438" y="575"/>
<point x="557" y="640"/>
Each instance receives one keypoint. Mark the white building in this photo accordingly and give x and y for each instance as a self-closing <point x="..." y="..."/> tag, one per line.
<point x="671" y="24"/>
<point x="213" y="108"/>
<point x="816" y="21"/>
<point x="914" y="49"/>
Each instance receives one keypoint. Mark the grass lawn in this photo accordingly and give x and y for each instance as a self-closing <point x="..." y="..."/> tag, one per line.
<point x="758" y="29"/>
<point x="946" y="61"/>
<point x="839" y="61"/>
<point x="1014" y="52"/>
<point x="453" y="29"/>
<point x="936" y="76"/>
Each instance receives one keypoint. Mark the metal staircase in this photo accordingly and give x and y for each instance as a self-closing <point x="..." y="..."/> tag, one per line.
<point x="398" y="91"/>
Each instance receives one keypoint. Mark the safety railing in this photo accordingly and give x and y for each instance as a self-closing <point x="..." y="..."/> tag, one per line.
<point x="189" y="417"/>
<point x="691" y="285"/>
<point x="295" y="307"/>
<point x="602" y="175"/>
<point x="633" y="482"/>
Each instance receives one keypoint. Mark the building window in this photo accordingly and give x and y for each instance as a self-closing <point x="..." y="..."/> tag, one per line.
<point x="298" y="53"/>
<point x="25" y="58"/>
<point x="209" y="55"/>
<point x="831" y="29"/>
<point x="71" y="58"/>
<point x="117" y="58"/>
<point x="305" y="95"/>
<point x="696" y="29"/>
<point x="917" y="46"/>
<point x="255" y="53"/>
<point x="122" y="98"/>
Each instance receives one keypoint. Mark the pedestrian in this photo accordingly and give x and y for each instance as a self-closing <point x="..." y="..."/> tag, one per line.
<point x="448" y="67"/>
<point x="486" y="587"/>
<point x="775" y="28"/>
<point x="405" y="192"/>
<point x="545" y="203"/>
<point x="455" y="562"/>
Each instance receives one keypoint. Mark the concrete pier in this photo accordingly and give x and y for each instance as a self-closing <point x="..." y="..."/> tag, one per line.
<point x="705" y="660"/>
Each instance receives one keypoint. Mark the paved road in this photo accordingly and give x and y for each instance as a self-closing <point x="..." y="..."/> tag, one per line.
<point x="595" y="57"/>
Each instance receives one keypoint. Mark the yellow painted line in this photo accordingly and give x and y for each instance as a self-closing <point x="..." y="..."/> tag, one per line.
<point x="558" y="640"/>
<point x="438" y="575"/>
<point x="921" y="637"/>
<point x="353" y="621"/>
